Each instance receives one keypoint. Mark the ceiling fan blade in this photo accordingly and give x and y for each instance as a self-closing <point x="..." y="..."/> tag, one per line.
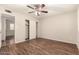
<point x="43" y="5"/>
<point x="30" y="7"/>
<point x="44" y="11"/>
<point x="31" y="12"/>
<point x="37" y="5"/>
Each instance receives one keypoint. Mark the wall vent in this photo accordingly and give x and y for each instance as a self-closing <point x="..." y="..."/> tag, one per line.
<point x="8" y="11"/>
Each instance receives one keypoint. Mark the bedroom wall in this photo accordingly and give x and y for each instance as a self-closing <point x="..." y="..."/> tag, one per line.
<point x="20" y="25"/>
<point x="0" y="31"/>
<point x="78" y="27"/>
<point x="62" y="27"/>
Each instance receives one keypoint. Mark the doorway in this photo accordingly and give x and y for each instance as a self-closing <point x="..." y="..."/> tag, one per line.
<point x="27" y="29"/>
<point x="36" y="30"/>
<point x="8" y="29"/>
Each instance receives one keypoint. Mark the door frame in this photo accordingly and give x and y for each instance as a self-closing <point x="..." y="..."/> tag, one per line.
<point x="4" y="19"/>
<point x="36" y="30"/>
<point x="28" y="29"/>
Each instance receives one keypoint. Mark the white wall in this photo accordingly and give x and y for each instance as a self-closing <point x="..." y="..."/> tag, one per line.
<point x="33" y="29"/>
<point x="0" y="32"/>
<point x="61" y="27"/>
<point x="19" y="28"/>
<point x="78" y="27"/>
<point x="20" y="25"/>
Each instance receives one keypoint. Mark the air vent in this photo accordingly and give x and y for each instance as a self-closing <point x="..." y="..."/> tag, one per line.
<point x="8" y="11"/>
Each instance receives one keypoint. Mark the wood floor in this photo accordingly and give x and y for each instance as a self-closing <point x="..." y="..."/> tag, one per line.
<point x="40" y="47"/>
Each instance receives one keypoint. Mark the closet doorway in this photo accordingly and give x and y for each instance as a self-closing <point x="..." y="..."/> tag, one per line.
<point x="27" y="30"/>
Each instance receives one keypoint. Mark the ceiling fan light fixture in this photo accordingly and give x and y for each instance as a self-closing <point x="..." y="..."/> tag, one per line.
<point x="38" y="8"/>
<point x="37" y="13"/>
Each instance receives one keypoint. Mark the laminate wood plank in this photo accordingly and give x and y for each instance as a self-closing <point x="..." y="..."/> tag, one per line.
<point x="40" y="47"/>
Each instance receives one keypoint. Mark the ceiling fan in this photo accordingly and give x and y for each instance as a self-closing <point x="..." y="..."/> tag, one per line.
<point x="38" y="8"/>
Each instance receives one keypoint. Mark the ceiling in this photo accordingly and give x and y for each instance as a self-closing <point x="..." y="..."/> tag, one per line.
<point x="53" y="9"/>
